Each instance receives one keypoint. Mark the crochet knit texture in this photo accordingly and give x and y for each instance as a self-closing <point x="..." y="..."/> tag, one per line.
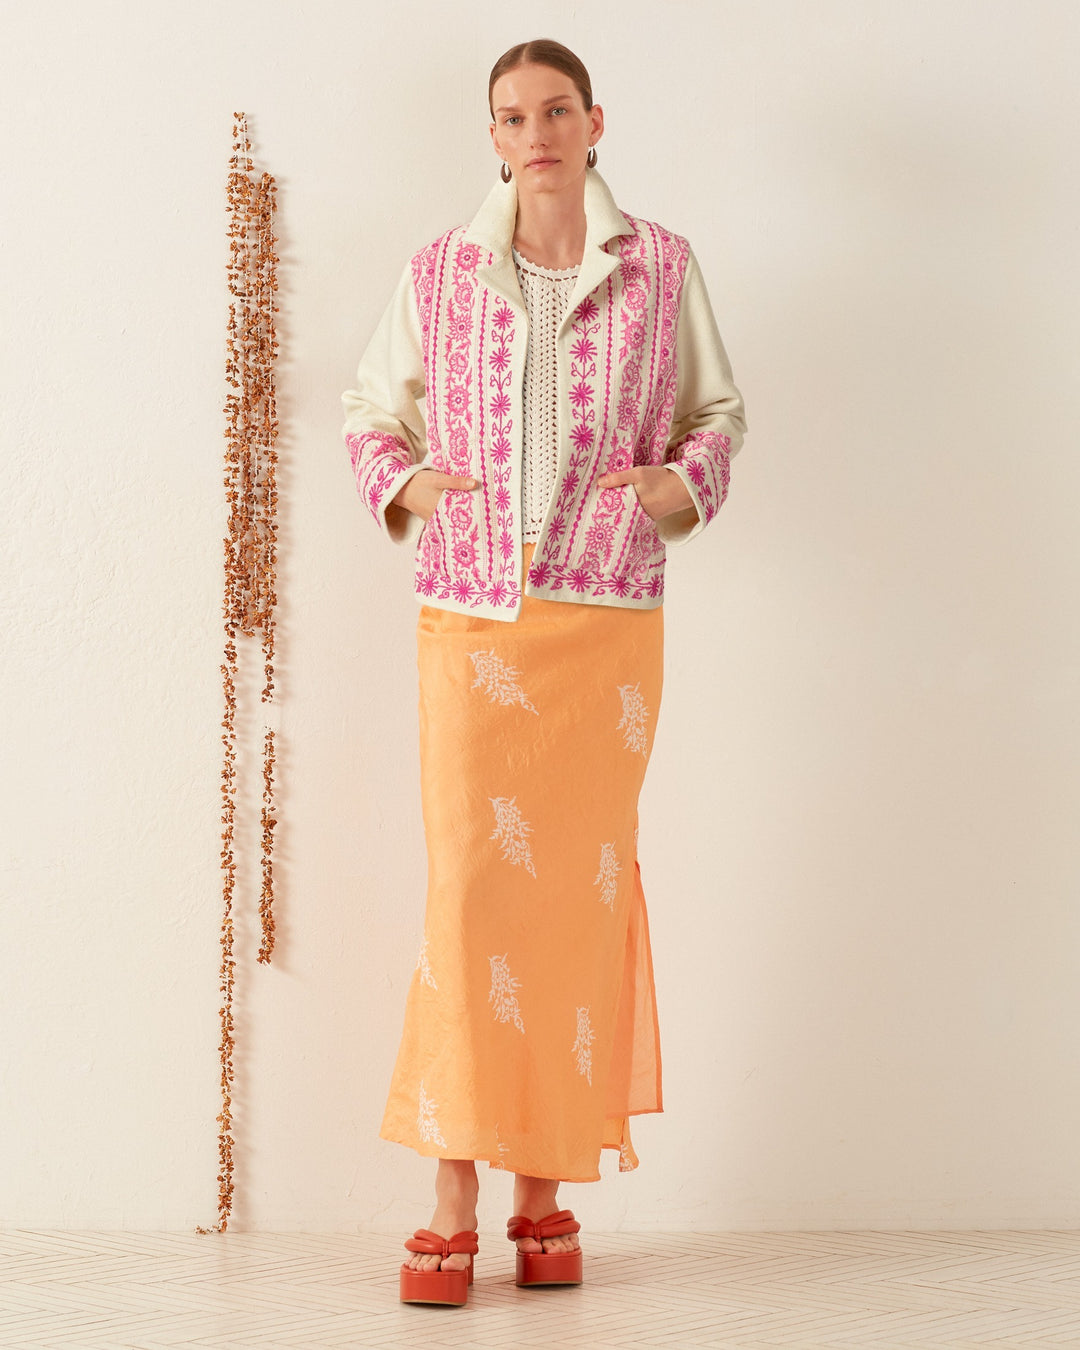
<point x="546" y="292"/>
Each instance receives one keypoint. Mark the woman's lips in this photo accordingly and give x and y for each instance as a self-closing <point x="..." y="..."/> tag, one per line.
<point x="540" y="163"/>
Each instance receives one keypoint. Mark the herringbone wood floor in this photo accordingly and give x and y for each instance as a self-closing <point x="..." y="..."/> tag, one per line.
<point x="815" y="1291"/>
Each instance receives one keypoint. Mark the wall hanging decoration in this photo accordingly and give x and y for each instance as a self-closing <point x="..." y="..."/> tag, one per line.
<point x="250" y="561"/>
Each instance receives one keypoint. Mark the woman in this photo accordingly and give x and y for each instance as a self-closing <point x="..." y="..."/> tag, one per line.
<point x="580" y="416"/>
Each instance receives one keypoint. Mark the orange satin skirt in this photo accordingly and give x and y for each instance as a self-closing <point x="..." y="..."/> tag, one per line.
<point x="531" y="1033"/>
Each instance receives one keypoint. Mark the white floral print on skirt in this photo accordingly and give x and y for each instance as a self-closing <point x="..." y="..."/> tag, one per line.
<point x="531" y="1032"/>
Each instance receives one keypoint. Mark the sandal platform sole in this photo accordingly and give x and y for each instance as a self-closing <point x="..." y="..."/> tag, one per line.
<point x="549" y="1267"/>
<point x="435" y="1286"/>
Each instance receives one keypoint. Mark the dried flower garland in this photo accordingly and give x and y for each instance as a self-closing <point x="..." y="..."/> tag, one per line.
<point x="250" y="557"/>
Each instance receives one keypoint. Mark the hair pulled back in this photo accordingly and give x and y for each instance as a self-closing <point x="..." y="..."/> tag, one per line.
<point x="543" y="52"/>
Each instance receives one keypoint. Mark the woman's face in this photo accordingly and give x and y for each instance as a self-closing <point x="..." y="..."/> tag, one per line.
<point x="541" y="128"/>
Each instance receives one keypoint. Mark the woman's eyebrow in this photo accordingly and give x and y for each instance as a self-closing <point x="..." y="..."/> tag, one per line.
<point x="558" y="98"/>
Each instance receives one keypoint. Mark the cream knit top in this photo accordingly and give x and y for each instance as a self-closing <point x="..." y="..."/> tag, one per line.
<point x="546" y="292"/>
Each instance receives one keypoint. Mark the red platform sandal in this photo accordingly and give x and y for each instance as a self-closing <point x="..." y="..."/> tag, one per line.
<point x="546" y="1267"/>
<point x="438" y="1286"/>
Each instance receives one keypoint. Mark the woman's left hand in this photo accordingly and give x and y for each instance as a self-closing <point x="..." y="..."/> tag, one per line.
<point x="659" y="491"/>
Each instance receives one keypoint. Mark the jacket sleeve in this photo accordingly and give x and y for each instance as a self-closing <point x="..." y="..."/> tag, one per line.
<point x="384" y="427"/>
<point x="709" y="420"/>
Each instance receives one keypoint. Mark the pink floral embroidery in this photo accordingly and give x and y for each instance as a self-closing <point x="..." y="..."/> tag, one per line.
<point x="674" y="253"/>
<point x="642" y="552"/>
<point x="582" y="437"/>
<point x="584" y="358"/>
<point x="377" y="460"/>
<point x="707" y="462"/>
<point x="465" y="554"/>
<point x="450" y="562"/>
<point x="602" y="536"/>
<point x="424" y="266"/>
<point x="634" y="336"/>
<point x="595" y="582"/>
<point x="620" y="390"/>
<point x="501" y="423"/>
<point x="460" y="515"/>
<point x="587" y="310"/>
<point x="462" y="590"/>
<point x="633" y="272"/>
<point x="599" y="537"/>
<point x="577" y="578"/>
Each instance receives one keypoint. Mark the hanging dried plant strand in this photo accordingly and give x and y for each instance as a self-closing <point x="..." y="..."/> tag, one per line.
<point x="250" y="560"/>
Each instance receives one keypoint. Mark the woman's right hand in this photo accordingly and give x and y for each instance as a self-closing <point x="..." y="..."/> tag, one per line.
<point x="422" y="492"/>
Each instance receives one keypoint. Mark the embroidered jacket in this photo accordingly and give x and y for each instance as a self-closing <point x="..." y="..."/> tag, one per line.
<point x="642" y="378"/>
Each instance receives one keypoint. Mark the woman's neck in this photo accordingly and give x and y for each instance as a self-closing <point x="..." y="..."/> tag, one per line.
<point x="550" y="226"/>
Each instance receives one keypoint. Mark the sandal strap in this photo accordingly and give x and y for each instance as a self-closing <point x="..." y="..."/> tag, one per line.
<point x="424" y="1240"/>
<point x="553" y="1225"/>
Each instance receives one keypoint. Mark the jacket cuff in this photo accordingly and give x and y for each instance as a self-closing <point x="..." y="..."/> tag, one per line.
<point x="680" y="526"/>
<point x="382" y="466"/>
<point x="703" y="462"/>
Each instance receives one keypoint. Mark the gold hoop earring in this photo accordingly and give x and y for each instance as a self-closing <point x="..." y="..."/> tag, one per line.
<point x="506" y="173"/>
<point x="590" y="158"/>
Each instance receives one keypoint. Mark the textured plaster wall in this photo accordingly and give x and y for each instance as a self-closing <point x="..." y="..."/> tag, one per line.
<point x="859" y="829"/>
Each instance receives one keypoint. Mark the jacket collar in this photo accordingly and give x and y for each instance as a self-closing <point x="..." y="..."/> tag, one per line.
<point x="493" y="228"/>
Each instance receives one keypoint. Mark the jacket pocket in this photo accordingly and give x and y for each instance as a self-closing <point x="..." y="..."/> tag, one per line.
<point x="647" y="546"/>
<point x="431" y="546"/>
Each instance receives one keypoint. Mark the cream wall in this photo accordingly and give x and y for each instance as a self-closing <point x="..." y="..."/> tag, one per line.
<point x="859" y="828"/>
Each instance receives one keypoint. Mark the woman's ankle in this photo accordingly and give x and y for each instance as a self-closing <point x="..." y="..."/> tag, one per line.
<point x="456" y="1182"/>
<point x="535" y="1193"/>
